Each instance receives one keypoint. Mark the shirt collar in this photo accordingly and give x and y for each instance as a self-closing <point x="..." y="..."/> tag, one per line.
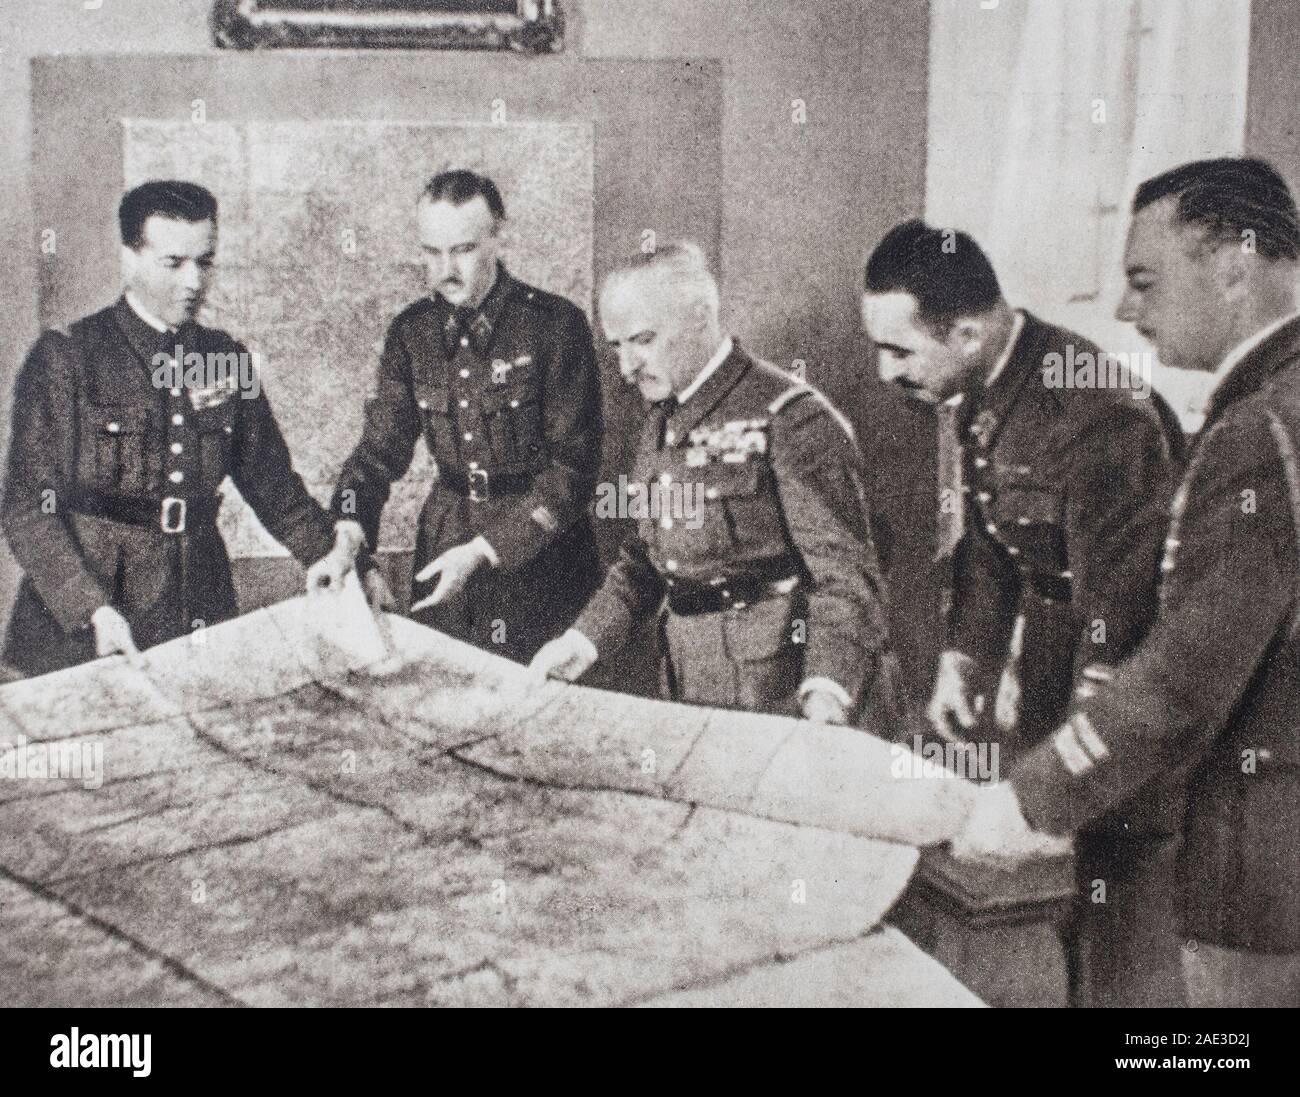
<point x="719" y="356"/>
<point x="145" y="315"/>
<point x="1246" y="346"/>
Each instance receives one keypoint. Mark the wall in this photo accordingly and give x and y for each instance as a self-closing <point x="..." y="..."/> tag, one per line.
<point x="801" y="202"/>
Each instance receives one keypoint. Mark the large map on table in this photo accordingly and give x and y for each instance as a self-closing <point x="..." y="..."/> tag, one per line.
<point x="318" y="253"/>
<point x="276" y="812"/>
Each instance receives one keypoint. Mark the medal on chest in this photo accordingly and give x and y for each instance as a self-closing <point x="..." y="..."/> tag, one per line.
<point x="734" y="442"/>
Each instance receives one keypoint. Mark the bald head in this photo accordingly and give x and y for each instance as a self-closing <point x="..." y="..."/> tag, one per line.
<point x="660" y="314"/>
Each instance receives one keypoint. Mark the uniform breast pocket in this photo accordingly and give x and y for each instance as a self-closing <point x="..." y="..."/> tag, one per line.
<point x="1032" y="518"/>
<point x="215" y="428"/>
<point x="1027" y="506"/>
<point x="513" y="419"/>
<point x="434" y="403"/>
<point x="742" y="506"/>
<point x="116" y="455"/>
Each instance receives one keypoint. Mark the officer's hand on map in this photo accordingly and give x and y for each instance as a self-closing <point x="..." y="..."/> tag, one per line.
<point x="954" y="704"/>
<point x="330" y="570"/>
<point x="996" y="831"/>
<point x="567" y="657"/>
<point x="823" y="707"/>
<point x="378" y="593"/>
<point x="453" y="568"/>
<point x="113" y="635"/>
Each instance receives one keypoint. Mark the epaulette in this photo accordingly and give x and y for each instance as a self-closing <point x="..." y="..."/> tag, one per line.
<point x="801" y="389"/>
<point x="539" y="298"/>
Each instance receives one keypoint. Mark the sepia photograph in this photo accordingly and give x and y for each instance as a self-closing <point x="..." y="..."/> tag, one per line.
<point x="706" y="503"/>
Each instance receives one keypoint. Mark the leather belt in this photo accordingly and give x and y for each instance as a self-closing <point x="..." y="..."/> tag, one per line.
<point x="690" y="597"/>
<point x="479" y="485"/>
<point x="171" y="515"/>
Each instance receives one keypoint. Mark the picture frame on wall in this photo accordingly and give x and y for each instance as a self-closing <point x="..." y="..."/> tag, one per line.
<point x="522" y="26"/>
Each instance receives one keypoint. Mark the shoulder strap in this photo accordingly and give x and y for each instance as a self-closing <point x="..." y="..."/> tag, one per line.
<point x="797" y="391"/>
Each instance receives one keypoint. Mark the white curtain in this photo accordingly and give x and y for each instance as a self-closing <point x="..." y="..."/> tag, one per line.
<point x="1044" y="116"/>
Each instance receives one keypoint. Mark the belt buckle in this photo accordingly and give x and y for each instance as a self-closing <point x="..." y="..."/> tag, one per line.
<point x="478" y="485"/>
<point x="172" y="506"/>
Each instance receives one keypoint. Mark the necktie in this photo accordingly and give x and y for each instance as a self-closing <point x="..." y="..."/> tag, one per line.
<point x="460" y="321"/>
<point x="951" y="519"/>
<point x="660" y="411"/>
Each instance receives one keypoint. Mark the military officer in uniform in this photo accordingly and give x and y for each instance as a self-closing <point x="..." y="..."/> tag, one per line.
<point x="1051" y="523"/>
<point x="500" y="378"/>
<point x="1212" y="260"/>
<point x="769" y="596"/>
<point x="119" y="446"/>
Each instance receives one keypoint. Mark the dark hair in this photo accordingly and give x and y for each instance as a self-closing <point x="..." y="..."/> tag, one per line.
<point x="461" y="186"/>
<point x="163" y="198"/>
<point x="1228" y="197"/>
<point x="944" y="270"/>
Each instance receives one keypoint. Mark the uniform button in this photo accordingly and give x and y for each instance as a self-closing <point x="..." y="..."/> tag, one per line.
<point x="176" y="477"/>
<point x="176" y="447"/>
<point x="991" y="528"/>
<point x="981" y="462"/>
<point x="983" y="496"/>
<point x="1022" y="521"/>
<point x="473" y="464"/>
<point x="1067" y="575"/>
<point x="464" y="340"/>
<point x="176" y="392"/>
<point x="114" y="428"/>
<point x="710" y="493"/>
<point x="666" y="523"/>
<point x="671" y="565"/>
<point x="1264" y="754"/>
<point x="670" y="438"/>
<point x="468" y="436"/>
<point x="514" y="403"/>
<point x="462" y="403"/>
<point x="424" y="405"/>
<point x="177" y="419"/>
<point x="464" y="373"/>
<point x="1012" y="550"/>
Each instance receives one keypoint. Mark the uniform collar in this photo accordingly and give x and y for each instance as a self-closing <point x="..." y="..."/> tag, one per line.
<point x="145" y="315"/>
<point x="999" y="367"/>
<point x="144" y="338"/>
<point x="1247" y="368"/>
<point x="711" y="367"/>
<point x="984" y="411"/>
<point x="710" y="392"/>
<point x="480" y="322"/>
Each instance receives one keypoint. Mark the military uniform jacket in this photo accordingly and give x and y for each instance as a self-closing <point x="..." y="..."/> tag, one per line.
<point x="1214" y="689"/>
<point x="1064" y="493"/>
<point x="778" y="473"/>
<point x="95" y="424"/>
<point x="515" y="394"/>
